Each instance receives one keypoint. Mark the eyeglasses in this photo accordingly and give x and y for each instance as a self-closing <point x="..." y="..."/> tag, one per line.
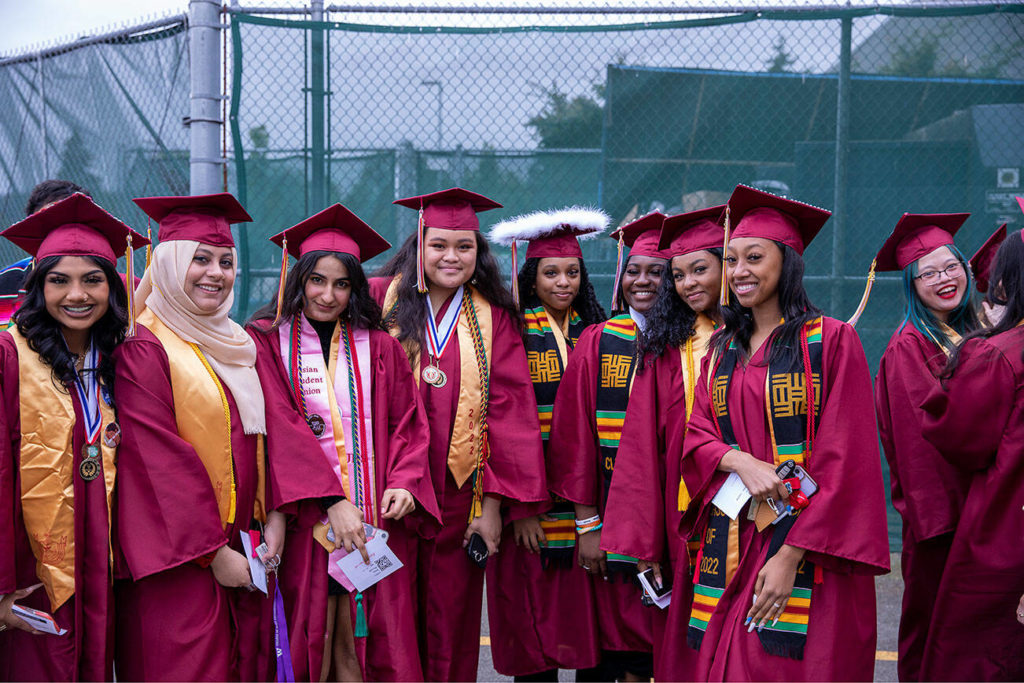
<point x="932" y="276"/>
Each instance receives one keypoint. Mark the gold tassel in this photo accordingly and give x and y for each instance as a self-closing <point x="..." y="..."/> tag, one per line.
<point x="280" y="282"/>
<point x="864" y="299"/>
<point x="616" y="304"/>
<point x="149" y="247"/>
<point x="421" y="278"/>
<point x="723" y="295"/>
<point x="129" y="284"/>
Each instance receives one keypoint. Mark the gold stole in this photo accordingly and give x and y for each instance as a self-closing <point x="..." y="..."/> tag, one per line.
<point x="47" y="470"/>
<point x="559" y="332"/>
<point x="203" y="417"/>
<point x="690" y="355"/>
<point x="332" y="402"/>
<point x="463" y="449"/>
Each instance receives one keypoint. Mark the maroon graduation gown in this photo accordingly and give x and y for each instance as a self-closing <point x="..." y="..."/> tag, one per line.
<point x="643" y="515"/>
<point x="843" y="530"/>
<point x="450" y="585"/>
<point x="624" y="624"/>
<point x="978" y="425"/>
<point x="540" y="619"/>
<point x="927" y="491"/>
<point x="174" y="621"/>
<point x="85" y="652"/>
<point x="299" y="475"/>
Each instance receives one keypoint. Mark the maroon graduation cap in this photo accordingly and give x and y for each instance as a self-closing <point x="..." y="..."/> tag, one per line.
<point x="203" y="218"/>
<point x="684" y="233"/>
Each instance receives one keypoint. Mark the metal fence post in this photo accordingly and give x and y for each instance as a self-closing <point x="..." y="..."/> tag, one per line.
<point x="842" y="144"/>
<point x="317" y="194"/>
<point x="205" y="173"/>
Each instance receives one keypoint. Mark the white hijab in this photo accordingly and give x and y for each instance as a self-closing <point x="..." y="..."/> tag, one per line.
<point x="227" y="347"/>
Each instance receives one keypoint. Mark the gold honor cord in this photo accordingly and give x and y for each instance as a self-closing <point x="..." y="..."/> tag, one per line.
<point x="864" y="299"/>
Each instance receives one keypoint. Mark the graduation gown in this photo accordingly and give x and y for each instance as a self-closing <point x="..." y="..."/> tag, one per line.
<point x="927" y="491"/>
<point x="978" y="425"/>
<point x="174" y="621"/>
<point x="540" y="619"/>
<point x="624" y="624"/>
<point x="85" y="652"/>
<point x="450" y="585"/>
<point x="843" y="529"/>
<point x="298" y="475"/>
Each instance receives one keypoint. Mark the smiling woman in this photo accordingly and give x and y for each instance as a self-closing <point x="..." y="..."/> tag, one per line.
<point x="56" y="374"/>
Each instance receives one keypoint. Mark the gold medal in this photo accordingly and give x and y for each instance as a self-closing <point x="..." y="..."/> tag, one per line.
<point x="434" y="376"/>
<point x="89" y="469"/>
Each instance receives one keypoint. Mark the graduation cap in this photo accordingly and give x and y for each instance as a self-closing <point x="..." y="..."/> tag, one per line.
<point x="77" y="226"/>
<point x="451" y="209"/>
<point x="641" y="236"/>
<point x="756" y="213"/>
<point x="551" y="234"/>
<point x="917" y="235"/>
<point x="333" y="229"/>
<point x="202" y="218"/>
<point x="981" y="262"/>
<point x="684" y="233"/>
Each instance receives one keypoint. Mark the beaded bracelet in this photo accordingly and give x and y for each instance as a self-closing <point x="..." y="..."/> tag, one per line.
<point x="587" y="525"/>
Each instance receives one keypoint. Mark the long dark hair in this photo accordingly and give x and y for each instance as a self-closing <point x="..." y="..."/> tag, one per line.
<point x="585" y="303"/>
<point x="1006" y="289"/>
<point x="796" y="307"/>
<point x="44" y="333"/>
<point x="411" y="315"/>
<point x="362" y="311"/>
<point x="671" y="320"/>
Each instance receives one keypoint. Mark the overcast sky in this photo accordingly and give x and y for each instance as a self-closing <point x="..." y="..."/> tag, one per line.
<point x="27" y="23"/>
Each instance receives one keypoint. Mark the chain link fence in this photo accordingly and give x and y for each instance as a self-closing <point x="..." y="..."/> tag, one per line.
<point x="924" y="104"/>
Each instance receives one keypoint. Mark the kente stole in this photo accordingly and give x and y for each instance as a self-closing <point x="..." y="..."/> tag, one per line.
<point x="786" y="392"/>
<point x="47" y="469"/>
<point x="340" y="394"/>
<point x="547" y="351"/>
<point x="468" y="448"/>
<point x="617" y="353"/>
<point x="203" y="418"/>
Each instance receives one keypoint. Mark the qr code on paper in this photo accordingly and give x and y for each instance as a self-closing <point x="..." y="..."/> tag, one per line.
<point x="383" y="563"/>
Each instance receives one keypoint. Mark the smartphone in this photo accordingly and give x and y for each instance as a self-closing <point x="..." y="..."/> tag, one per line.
<point x="477" y="550"/>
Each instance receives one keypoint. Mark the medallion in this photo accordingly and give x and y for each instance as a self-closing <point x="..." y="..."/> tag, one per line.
<point x="434" y="376"/>
<point x="89" y="469"/>
<point x="112" y="435"/>
<point x="91" y="451"/>
<point x="317" y="424"/>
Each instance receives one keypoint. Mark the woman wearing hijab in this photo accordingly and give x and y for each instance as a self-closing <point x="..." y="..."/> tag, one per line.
<point x="59" y="443"/>
<point x="794" y="599"/>
<point x="540" y="606"/>
<point x="191" y="462"/>
<point x="586" y="427"/>
<point x="324" y="356"/>
<point x="927" y="491"/>
<point x="443" y="298"/>
<point x="975" y="419"/>
<point x="646" y="498"/>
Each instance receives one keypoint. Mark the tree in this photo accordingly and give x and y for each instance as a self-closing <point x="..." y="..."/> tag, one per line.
<point x="75" y="160"/>
<point x="781" y="60"/>
<point x="569" y="123"/>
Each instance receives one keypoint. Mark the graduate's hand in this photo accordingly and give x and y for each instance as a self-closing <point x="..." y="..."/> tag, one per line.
<point x="1020" y="610"/>
<point x="7" y="601"/>
<point x="230" y="568"/>
<point x="758" y="476"/>
<point x="530" y="533"/>
<point x="273" y="536"/>
<point x="590" y="555"/>
<point x="488" y="525"/>
<point x="347" y="523"/>
<point x="396" y="503"/>
<point x="644" y="565"/>
<point x="993" y="312"/>
<point x="774" y="586"/>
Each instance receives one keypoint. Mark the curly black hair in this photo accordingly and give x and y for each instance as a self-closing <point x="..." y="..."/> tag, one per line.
<point x="585" y="303"/>
<point x="796" y="307"/>
<point x="410" y="314"/>
<point x="362" y="311"/>
<point x="50" y="191"/>
<point x="670" y="321"/>
<point x="44" y="333"/>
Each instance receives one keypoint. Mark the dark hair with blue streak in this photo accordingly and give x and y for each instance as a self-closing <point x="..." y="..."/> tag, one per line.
<point x="963" y="319"/>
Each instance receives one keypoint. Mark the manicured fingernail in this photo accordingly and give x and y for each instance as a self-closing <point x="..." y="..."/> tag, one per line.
<point x="775" y="621"/>
<point x="760" y="626"/>
<point x="751" y="628"/>
<point x="747" y="621"/>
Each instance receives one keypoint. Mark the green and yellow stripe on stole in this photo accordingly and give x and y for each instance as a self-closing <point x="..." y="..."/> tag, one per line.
<point x="621" y="326"/>
<point x="609" y="427"/>
<point x="536" y="321"/>
<point x="705" y="599"/>
<point x="544" y="414"/>
<point x="560" y="529"/>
